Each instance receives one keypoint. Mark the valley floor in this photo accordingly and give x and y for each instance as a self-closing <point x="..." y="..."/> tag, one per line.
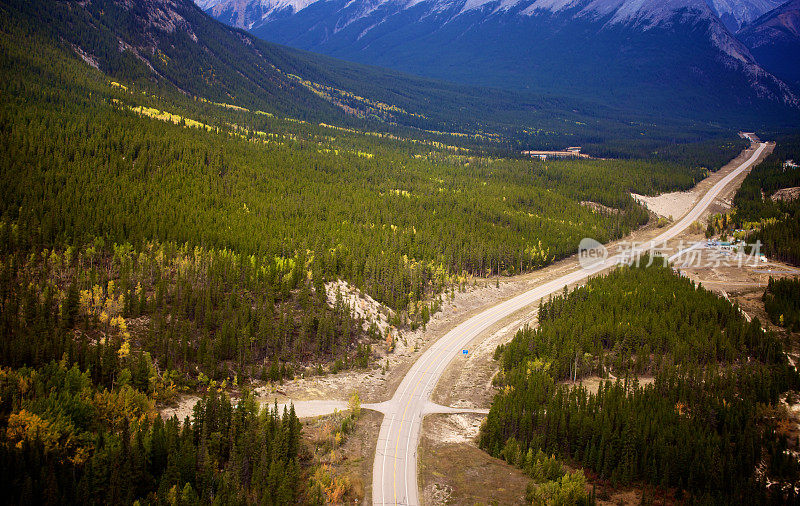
<point x="446" y="459"/>
<point x="452" y="468"/>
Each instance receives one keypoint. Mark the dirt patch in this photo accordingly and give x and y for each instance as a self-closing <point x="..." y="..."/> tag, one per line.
<point x="624" y="497"/>
<point x="786" y="194"/>
<point x="337" y="386"/>
<point x="600" y="208"/>
<point x="453" y="470"/>
<point x="669" y="205"/>
<point x="461" y="428"/>
<point x="303" y="409"/>
<point x="362" y="305"/>
<point x="182" y="408"/>
<point x="350" y="460"/>
<point x="592" y="383"/>
<point x="749" y="300"/>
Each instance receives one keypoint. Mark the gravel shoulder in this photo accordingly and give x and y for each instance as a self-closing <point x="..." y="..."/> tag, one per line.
<point x="453" y="470"/>
<point x="467" y="381"/>
<point x="379" y="382"/>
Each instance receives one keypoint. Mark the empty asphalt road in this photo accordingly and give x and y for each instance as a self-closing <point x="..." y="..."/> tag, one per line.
<point x="394" y="476"/>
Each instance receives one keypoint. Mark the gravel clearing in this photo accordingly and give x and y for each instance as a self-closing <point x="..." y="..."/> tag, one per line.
<point x="303" y="409"/>
<point x="669" y="205"/>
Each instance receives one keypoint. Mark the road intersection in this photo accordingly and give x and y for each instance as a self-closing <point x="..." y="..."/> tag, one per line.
<point x="395" y="466"/>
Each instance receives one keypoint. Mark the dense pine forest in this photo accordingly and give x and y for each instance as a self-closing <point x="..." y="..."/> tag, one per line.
<point x="761" y="212"/>
<point x="161" y="234"/>
<point x="93" y="160"/>
<point x="782" y="302"/>
<point x="194" y="313"/>
<point x="705" y="426"/>
<point x="67" y="442"/>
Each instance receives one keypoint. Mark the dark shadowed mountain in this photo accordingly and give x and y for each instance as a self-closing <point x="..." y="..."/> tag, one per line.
<point x="774" y="39"/>
<point x="671" y="57"/>
<point x="737" y="13"/>
<point x="173" y="47"/>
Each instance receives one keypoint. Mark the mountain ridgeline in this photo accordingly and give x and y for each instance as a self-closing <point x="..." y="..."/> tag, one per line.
<point x="173" y="50"/>
<point x="774" y="39"/>
<point x="676" y="58"/>
<point x="736" y="14"/>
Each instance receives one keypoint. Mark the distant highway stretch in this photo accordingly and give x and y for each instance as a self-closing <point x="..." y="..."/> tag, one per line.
<point x="394" y="475"/>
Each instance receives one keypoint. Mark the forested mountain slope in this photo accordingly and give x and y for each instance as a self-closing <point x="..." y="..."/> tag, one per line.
<point x="89" y="162"/>
<point x="174" y="50"/>
<point x="705" y="428"/>
<point x="675" y="58"/>
<point x="155" y="242"/>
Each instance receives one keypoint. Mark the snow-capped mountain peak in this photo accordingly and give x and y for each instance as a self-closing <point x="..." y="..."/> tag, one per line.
<point x="738" y="13"/>
<point x="581" y="46"/>
<point x="248" y="13"/>
<point x="641" y="13"/>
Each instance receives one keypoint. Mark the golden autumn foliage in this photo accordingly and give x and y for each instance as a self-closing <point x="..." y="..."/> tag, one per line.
<point x="27" y="426"/>
<point x="334" y="487"/>
<point x="124" y="350"/>
<point x="785" y="427"/>
<point x="328" y="438"/>
<point x="54" y="436"/>
<point x="59" y="422"/>
<point x="113" y="407"/>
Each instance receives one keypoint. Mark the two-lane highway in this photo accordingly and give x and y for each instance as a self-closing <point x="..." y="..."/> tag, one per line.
<point x="394" y="477"/>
